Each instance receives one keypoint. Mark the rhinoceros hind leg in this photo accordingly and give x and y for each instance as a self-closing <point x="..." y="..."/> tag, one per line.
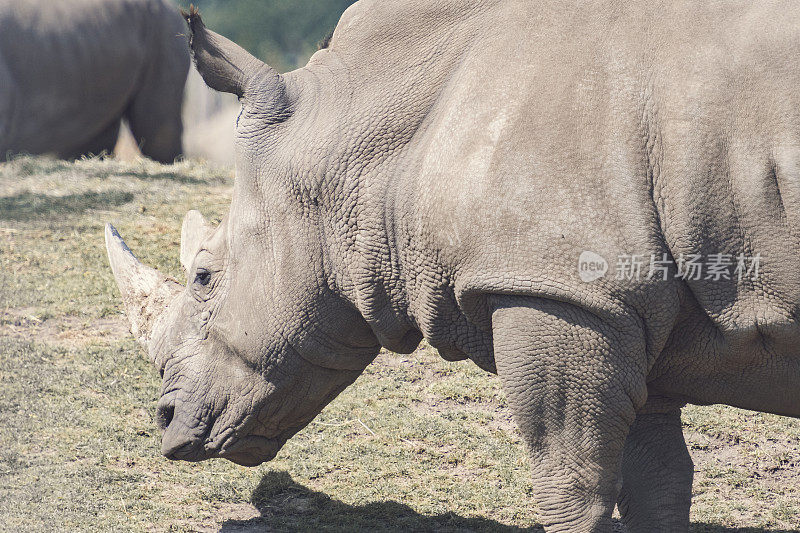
<point x="154" y="114"/>
<point x="156" y="129"/>
<point x="103" y="142"/>
<point x="574" y="384"/>
<point x="657" y="474"/>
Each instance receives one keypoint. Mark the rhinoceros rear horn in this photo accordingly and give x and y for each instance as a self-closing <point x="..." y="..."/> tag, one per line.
<point x="226" y="66"/>
<point x="194" y="231"/>
<point x="146" y="293"/>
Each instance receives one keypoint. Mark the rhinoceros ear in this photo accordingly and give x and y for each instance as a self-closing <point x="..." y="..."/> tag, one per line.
<point x="226" y="66"/>
<point x="194" y="231"/>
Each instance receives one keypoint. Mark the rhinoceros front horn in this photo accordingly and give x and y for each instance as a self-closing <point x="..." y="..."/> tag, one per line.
<point x="146" y="293"/>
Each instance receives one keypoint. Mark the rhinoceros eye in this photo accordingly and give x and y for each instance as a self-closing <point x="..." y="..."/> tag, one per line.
<point x="202" y="277"/>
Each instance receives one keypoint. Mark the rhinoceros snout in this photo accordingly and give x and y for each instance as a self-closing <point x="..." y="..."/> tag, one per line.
<point x="180" y="441"/>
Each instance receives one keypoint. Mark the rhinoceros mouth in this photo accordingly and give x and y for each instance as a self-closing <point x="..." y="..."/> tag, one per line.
<point x="183" y="442"/>
<point x="251" y="450"/>
<point x="248" y="450"/>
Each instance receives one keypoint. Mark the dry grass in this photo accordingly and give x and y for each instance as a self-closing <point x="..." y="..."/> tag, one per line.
<point x="416" y="444"/>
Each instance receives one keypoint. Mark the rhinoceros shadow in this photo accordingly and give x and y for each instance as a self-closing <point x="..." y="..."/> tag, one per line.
<point x="286" y="505"/>
<point x="27" y="206"/>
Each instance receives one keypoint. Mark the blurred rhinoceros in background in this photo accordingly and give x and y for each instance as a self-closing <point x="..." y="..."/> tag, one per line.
<point x="71" y="70"/>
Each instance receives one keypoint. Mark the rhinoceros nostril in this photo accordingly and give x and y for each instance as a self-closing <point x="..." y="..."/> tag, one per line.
<point x="164" y="415"/>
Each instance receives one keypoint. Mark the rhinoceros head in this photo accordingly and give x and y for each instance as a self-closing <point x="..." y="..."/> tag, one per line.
<point x="259" y="339"/>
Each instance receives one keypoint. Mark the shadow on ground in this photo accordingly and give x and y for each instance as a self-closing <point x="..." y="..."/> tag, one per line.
<point x="28" y="206"/>
<point x="176" y="177"/>
<point x="288" y="506"/>
<point x="285" y="505"/>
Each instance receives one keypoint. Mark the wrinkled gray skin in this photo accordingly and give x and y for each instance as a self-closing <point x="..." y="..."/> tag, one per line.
<point x="431" y="176"/>
<point x="71" y="70"/>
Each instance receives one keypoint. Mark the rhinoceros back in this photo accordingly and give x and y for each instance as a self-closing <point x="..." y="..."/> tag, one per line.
<point x="72" y="67"/>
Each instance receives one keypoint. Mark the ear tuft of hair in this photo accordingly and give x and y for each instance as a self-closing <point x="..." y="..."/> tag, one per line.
<point x="326" y="41"/>
<point x="192" y="16"/>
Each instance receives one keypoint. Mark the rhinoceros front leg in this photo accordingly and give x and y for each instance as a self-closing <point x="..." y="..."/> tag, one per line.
<point x="657" y="472"/>
<point x="574" y="384"/>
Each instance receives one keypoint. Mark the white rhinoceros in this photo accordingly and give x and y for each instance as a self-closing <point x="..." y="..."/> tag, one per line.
<point x="598" y="201"/>
<point x="71" y="70"/>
